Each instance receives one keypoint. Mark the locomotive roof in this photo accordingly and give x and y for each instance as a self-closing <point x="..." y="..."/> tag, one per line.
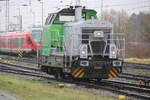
<point x="14" y="34"/>
<point x="71" y="9"/>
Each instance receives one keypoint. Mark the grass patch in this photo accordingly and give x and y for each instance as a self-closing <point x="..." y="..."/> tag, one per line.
<point x="34" y="90"/>
<point x="135" y="60"/>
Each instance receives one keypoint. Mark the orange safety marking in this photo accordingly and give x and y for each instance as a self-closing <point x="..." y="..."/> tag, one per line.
<point x="114" y="70"/>
<point x="77" y="69"/>
<point x="80" y="71"/>
<point x="81" y="75"/>
<point x="112" y="73"/>
<point x="110" y="76"/>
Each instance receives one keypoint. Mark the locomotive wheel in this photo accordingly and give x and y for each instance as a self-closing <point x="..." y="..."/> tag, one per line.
<point x="59" y="76"/>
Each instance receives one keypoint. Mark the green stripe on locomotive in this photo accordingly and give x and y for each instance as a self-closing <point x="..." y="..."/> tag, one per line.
<point x="52" y="36"/>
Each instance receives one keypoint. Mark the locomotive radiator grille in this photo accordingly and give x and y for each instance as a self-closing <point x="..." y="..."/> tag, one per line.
<point x="98" y="47"/>
<point x="97" y="44"/>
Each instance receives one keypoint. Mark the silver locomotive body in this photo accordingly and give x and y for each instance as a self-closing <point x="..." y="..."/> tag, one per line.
<point x="92" y="50"/>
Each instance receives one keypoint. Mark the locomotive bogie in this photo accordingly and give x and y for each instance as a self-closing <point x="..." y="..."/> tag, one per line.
<point x="95" y="69"/>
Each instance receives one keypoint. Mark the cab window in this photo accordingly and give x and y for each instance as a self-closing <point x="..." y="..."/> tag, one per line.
<point x="49" y="19"/>
<point x="63" y="17"/>
<point x="29" y="40"/>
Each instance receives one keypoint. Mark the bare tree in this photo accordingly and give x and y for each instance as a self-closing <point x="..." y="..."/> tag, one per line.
<point x="118" y="18"/>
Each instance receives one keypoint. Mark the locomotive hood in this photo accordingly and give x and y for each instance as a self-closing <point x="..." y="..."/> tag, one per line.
<point x="90" y="23"/>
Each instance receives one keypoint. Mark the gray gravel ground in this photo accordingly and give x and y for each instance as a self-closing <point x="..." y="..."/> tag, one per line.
<point x="6" y="96"/>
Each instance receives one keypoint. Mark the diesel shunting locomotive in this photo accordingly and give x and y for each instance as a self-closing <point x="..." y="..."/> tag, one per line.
<point x="78" y="45"/>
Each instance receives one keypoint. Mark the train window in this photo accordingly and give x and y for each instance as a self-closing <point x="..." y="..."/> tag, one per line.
<point x="21" y="42"/>
<point x="5" y="42"/>
<point x="49" y="19"/>
<point x="15" y="43"/>
<point x="2" y="42"/>
<point x="66" y="18"/>
<point x="11" y="41"/>
<point x="36" y="35"/>
<point x="63" y="17"/>
<point x="29" y="40"/>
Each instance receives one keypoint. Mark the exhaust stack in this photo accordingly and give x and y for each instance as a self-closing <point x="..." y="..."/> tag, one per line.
<point x="78" y="11"/>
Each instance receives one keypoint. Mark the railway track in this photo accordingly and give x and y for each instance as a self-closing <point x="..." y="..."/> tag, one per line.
<point x="135" y="77"/>
<point x="129" y="89"/>
<point x="15" y="69"/>
<point x="32" y="60"/>
<point x="11" y="65"/>
<point x="120" y="87"/>
<point x="137" y="65"/>
<point x="143" y="80"/>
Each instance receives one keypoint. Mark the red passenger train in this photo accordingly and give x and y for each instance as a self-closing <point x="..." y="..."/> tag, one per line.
<point x="15" y="41"/>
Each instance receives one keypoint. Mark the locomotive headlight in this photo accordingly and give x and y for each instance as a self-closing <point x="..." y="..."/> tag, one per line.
<point x="83" y="51"/>
<point x="99" y="34"/>
<point x="112" y="51"/>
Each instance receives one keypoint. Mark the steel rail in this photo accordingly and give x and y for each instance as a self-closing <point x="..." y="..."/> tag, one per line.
<point x="135" y="77"/>
<point x="137" y="65"/>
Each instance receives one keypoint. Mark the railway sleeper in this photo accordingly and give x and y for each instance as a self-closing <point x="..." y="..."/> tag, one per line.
<point x="144" y="82"/>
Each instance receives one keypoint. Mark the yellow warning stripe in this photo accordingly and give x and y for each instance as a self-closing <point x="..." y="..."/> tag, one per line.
<point x="113" y="74"/>
<point x="76" y="70"/>
<point x="79" y="72"/>
<point x="20" y="53"/>
<point x="81" y="75"/>
<point x="115" y="71"/>
<point x="110" y="76"/>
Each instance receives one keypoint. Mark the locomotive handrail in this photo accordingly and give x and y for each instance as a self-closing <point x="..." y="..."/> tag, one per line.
<point x="114" y="37"/>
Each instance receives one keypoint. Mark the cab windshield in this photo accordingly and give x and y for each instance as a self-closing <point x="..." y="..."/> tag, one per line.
<point x="67" y="15"/>
<point x="63" y="17"/>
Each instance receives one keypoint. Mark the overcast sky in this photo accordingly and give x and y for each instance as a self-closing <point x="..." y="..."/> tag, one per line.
<point x="131" y="6"/>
